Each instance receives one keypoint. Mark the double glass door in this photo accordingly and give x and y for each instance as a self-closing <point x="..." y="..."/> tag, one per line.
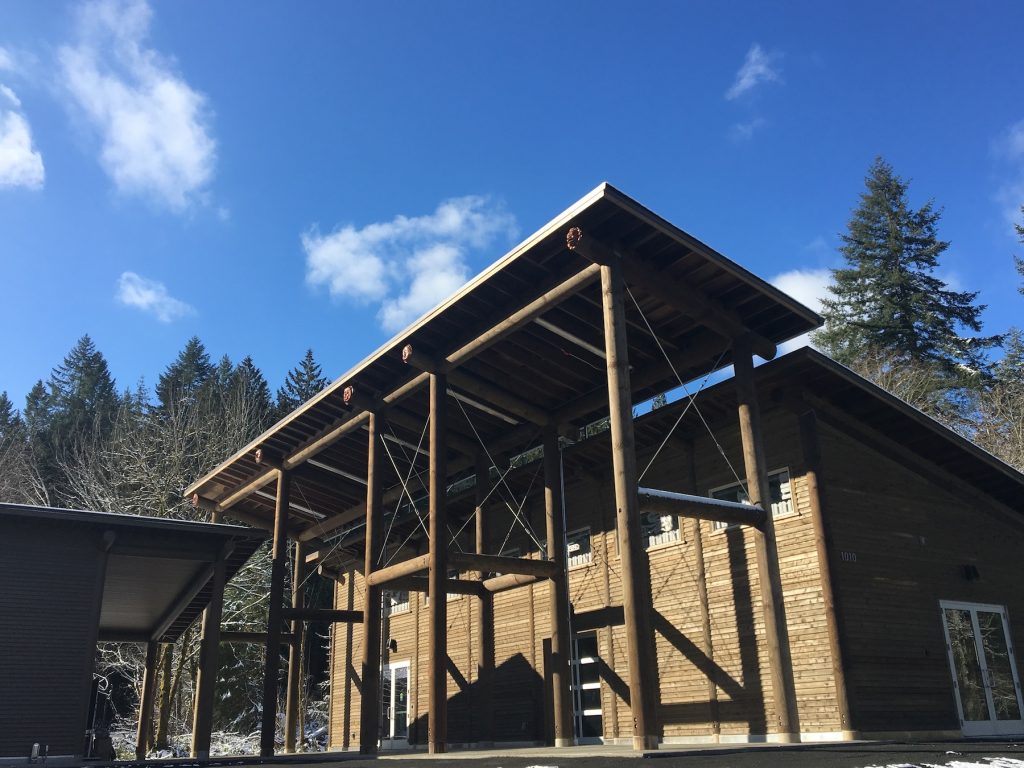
<point x="394" y="694"/>
<point x="984" y="668"/>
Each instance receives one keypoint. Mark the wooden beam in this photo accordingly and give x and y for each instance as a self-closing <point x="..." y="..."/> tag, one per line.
<point x="422" y="584"/>
<point x="678" y="295"/>
<point x="561" y="643"/>
<point x="509" y="581"/>
<point x="470" y="561"/>
<point x="398" y="570"/>
<point x="700" y="507"/>
<point x="193" y="588"/>
<point x="700" y="577"/>
<point x="525" y="314"/>
<point x="474" y="385"/>
<point x="636" y="588"/>
<point x="324" y="615"/>
<point x="369" y="711"/>
<point x="437" y="651"/>
<point x="145" y="724"/>
<point x="810" y="446"/>
<point x="295" y="650"/>
<point x="518" y="437"/>
<point x="765" y="548"/>
<point x="681" y="362"/>
<point x="484" y="701"/>
<point x="274" y="617"/>
<point x="206" y="678"/>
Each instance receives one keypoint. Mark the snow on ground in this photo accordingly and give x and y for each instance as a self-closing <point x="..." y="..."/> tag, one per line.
<point x="986" y="762"/>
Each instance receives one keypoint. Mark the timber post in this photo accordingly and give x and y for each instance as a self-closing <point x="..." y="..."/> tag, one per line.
<point x="485" y="630"/>
<point x="765" y="547"/>
<point x="437" y="664"/>
<point x="274" y="617"/>
<point x="145" y="728"/>
<point x="636" y="601"/>
<point x="295" y="650"/>
<point x="561" y="642"/>
<point x="811" y="446"/>
<point x="714" y="711"/>
<point x="370" y="705"/>
<point x="202" y="714"/>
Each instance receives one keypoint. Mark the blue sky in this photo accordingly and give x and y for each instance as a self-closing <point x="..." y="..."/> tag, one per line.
<point x="272" y="176"/>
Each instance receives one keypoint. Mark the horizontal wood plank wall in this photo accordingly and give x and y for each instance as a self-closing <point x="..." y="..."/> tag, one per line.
<point x="902" y="544"/>
<point x="739" y="664"/>
<point x="48" y="621"/>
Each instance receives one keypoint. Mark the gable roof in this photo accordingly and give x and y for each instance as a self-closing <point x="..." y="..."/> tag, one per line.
<point x="542" y="363"/>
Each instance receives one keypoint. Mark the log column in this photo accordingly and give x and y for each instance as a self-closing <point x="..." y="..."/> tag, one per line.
<point x="370" y="704"/>
<point x="146" y="704"/>
<point x="292" y="725"/>
<point x="765" y="547"/>
<point x="811" y="447"/>
<point x="714" y="714"/>
<point x="485" y="630"/>
<point x="206" y="678"/>
<point x="636" y="579"/>
<point x="437" y="663"/>
<point x="273" y="660"/>
<point x="561" y="642"/>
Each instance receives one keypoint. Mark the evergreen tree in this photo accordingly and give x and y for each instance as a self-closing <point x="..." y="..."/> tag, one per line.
<point x="83" y="398"/>
<point x="887" y="298"/>
<point x="249" y="387"/>
<point x="10" y="421"/>
<point x="302" y="382"/>
<point x="185" y="377"/>
<point x="37" y="416"/>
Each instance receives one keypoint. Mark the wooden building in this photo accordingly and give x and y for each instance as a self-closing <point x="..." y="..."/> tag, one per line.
<point x="74" y="578"/>
<point x="884" y="519"/>
<point x="518" y="561"/>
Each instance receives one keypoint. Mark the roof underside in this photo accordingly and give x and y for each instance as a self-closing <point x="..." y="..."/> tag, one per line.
<point x="159" y="571"/>
<point x="553" y="363"/>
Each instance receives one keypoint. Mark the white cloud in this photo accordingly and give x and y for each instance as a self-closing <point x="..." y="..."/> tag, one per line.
<point x="21" y="164"/>
<point x="406" y="265"/>
<point x="150" y="296"/>
<point x="1010" y="149"/>
<point x="759" y="67"/>
<point x="152" y="125"/>
<point x="745" y="131"/>
<point x="6" y="60"/>
<point x="809" y="287"/>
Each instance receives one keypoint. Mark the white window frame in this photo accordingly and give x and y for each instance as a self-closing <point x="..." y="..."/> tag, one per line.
<point x="665" y="537"/>
<point x="579" y="561"/>
<point x="785" y="508"/>
<point x="393" y="607"/>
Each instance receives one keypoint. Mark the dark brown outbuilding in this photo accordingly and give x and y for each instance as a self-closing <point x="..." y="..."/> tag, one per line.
<point x="73" y="578"/>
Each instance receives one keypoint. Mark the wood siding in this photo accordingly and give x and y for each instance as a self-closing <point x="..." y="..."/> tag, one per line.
<point x="46" y="655"/>
<point x="906" y="541"/>
<point x="888" y="602"/>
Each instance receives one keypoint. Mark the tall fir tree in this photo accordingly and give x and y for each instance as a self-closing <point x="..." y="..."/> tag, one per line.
<point x="301" y="383"/>
<point x="83" y="397"/>
<point x="887" y="298"/>
<point x="10" y="420"/>
<point x="186" y="376"/>
<point x="249" y="387"/>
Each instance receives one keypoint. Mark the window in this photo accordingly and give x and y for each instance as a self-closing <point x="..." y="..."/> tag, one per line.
<point x="395" y="601"/>
<point x="778" y="485"/>
<point x="577" y="547"/>
<point x="659" y="529"/>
